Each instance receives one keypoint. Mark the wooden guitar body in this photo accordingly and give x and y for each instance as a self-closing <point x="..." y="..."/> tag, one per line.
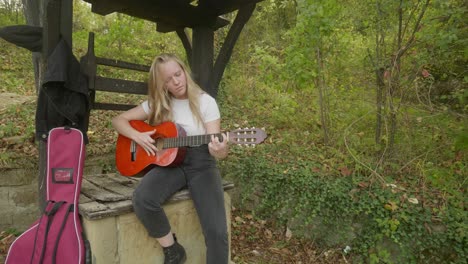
<point x="132" y="160"/>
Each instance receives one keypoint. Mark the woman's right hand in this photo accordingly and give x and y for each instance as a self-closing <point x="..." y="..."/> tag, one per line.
<point x="123" y="127"/>
<point x="145" y="141"/>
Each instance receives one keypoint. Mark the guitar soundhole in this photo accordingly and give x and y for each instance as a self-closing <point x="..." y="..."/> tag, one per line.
<point x="159" y="143"/>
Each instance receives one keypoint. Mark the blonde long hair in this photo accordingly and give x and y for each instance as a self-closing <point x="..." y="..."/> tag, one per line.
<point x="159" y="98"/>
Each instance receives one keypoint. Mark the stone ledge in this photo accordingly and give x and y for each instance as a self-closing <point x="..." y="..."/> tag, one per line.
<point x="104" y="195"/>
<point x="117" y="236"/>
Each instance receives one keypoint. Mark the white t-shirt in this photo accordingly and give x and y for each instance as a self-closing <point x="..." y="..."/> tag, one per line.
<point x="182" y="114"/>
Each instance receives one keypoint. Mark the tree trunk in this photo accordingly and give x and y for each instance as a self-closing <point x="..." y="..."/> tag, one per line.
<point x="322" y="96"/>
<point x="379" y="74"/>
<point x="33" y="12"/>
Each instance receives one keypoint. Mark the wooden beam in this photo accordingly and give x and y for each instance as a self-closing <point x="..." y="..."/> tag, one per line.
<point x="120" y="86"/>
<point x="122" y="64"/>
<point x="116" y="107"/>
<point x="186" y="42"/>
<point x="225" y="53"/>
<point x="171" y="14"/>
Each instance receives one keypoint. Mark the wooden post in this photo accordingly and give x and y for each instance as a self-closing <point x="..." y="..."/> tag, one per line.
<point x="58" y="16"/>
<point x="202" y="58"/>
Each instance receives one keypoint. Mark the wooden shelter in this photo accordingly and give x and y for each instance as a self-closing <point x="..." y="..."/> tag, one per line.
<point x="202" y="17"/>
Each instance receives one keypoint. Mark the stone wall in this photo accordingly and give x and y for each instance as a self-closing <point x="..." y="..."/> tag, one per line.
<point x="19" y="192"/>
<point x="18" y="198"/>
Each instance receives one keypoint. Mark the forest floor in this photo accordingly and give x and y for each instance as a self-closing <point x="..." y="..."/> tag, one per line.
<point x="253" y="241"/>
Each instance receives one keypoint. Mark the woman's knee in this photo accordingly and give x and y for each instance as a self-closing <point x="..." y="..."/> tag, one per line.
<point x="144" y="201"/>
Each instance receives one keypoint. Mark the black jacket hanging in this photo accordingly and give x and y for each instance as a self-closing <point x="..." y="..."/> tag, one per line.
<point x="63" y="98"/>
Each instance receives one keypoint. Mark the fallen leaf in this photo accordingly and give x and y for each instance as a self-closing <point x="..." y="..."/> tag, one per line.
<point x="391" y="206"/>
<point x="363" y="184"/>
<point x="288" y="233"/>
<point x="239" y="219"/>
<point x="345" y="171"/>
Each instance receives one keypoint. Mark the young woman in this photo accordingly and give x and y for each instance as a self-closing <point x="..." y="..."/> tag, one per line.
<point x="174" y="96"/>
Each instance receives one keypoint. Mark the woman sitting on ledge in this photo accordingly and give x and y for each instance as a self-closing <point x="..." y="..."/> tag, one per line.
<point x="174" y="96"/>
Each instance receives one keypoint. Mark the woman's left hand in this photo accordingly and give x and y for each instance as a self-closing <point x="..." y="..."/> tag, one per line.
<point x="219" y="149"/>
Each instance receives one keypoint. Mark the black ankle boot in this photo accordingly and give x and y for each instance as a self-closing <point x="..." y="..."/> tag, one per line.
<point x="174" y="254"/>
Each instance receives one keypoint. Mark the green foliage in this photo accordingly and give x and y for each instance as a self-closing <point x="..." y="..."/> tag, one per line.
<point x="25" y="113"/>
<point x="296" y="190"/>
<point x="11" y="13"/>
<point x="16" y="69"/>
<point x="315" y="27"/>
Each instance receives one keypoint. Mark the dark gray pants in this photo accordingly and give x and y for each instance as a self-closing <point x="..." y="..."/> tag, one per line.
<point x="199" y="173"/>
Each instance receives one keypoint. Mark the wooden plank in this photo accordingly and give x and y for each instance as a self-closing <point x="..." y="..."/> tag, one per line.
<point x="99" y="214"/>
<point x="98" y="193"/>
<point x="84" y="199"/>
<point x="120" y="86"/>
<point x="92" y="207"/>
<point x="121" y="207"/>
<point x="123" y="179"/>
<point x="110" y="185"/>
<point x="122" y="64"/>
<point x="114" y="107"/>
<point x="96" y="210"/>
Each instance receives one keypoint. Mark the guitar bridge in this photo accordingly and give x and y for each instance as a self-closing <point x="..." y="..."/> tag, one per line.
<point x="133" y="150"/>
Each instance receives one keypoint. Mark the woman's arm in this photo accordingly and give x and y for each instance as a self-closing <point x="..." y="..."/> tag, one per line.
<point x="122" y="125"/>
<point x="217" y="149"/>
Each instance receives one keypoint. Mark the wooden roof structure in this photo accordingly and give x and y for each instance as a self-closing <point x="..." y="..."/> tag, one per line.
<point x="171" y="15"/>
<point x="204" y="17"/>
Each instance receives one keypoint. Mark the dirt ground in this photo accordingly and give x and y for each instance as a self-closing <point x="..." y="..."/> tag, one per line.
<point x="7" y="99"/>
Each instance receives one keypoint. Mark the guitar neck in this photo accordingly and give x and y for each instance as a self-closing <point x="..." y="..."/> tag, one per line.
<point x="189" y="141"/>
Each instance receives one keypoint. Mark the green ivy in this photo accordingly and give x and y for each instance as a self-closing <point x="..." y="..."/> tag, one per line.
<point x="386" y="227"/>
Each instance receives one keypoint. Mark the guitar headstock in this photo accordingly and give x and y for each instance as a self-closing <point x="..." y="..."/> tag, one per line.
<point x="247" y="136"/>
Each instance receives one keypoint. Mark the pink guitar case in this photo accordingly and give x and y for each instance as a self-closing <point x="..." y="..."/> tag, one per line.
<point x="56" y="237"/>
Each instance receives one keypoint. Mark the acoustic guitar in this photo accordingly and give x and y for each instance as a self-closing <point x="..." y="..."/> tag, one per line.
<point x="171" y="142"/>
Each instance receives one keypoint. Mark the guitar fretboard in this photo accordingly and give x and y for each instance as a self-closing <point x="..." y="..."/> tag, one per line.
<point x="189" y="141"/>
